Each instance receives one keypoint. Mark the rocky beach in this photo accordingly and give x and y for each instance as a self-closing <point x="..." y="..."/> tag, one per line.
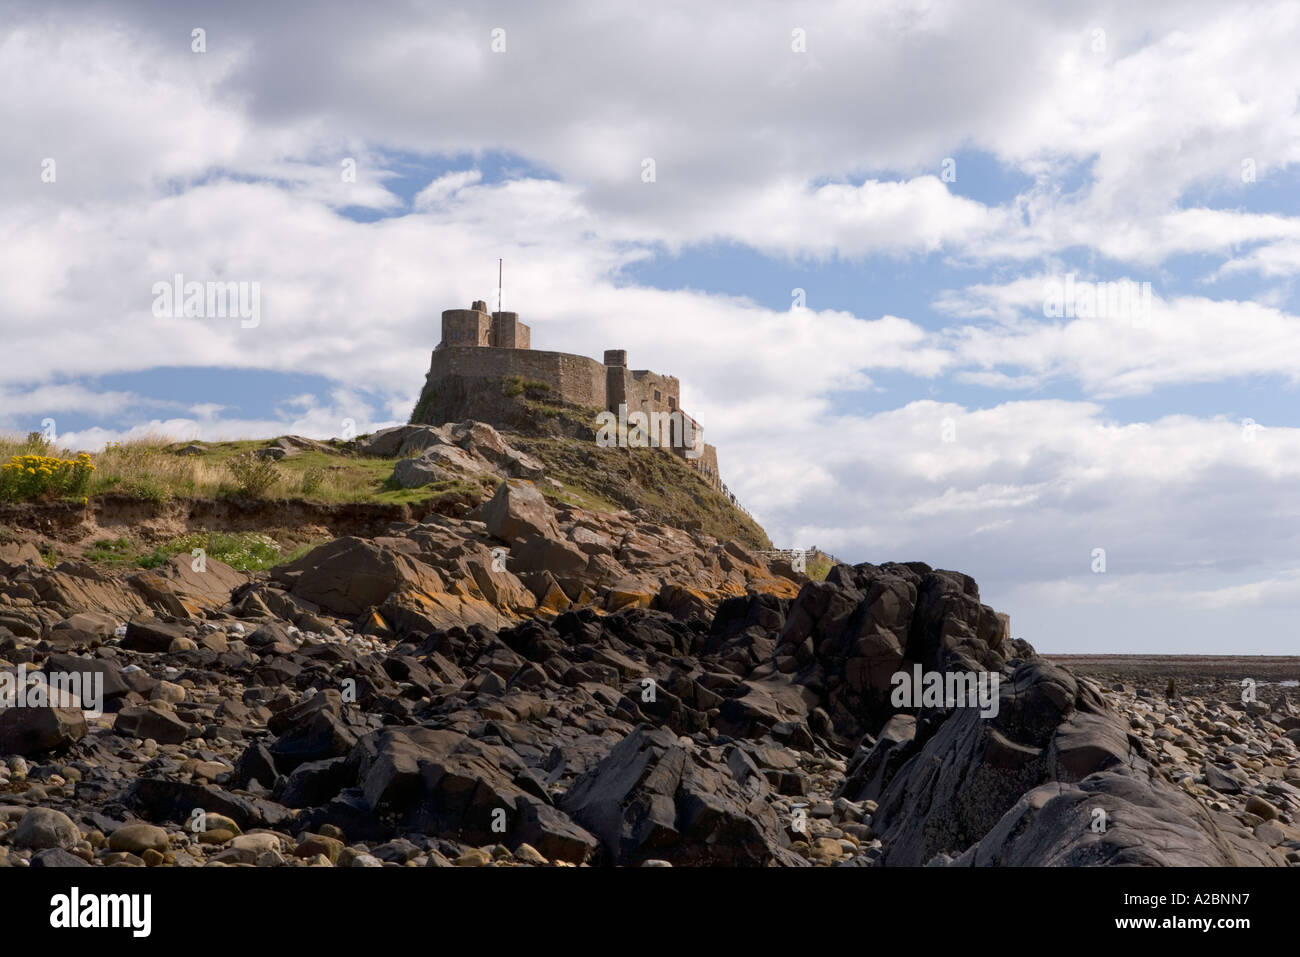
<point x="532" y="683"/>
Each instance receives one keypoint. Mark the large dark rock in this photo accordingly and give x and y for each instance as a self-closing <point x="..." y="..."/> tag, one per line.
<point x="551" y="832"/>
<point x="440" y="782"/>
<point x="28" y="731"/>
<point x="653" y="798"/>
<point x="114" y="686"/>
<point x="150" y="635"/>
<point x="1147" y="823"/>
<point x="350" y="575"/>
<point x="312" y="730"/>
<point x="1054" y="744"/>
<point x="316" y="782"/>
<point x="149" y="722"/>
<point x="161" y="800"/>
<point x="518" y="510"/>
<point x="847" y="636"/>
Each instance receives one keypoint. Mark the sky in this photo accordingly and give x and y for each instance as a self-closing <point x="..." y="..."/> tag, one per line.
<point x="1007" y="288"/>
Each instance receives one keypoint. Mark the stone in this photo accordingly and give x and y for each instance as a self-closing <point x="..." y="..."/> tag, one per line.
<point x="440" y="463"/>
<point x="43" y="827"/>
<point x="518" y="510"/>
<point x="150" y="635"/>
<point x="350" y="857"/>
<point x="57" y="857"/>
<point x="550" y="833"/>
<point x="309" y="845"/>
<point x="137" y="838"/>
<point x="1221" y="780"/>
<point x="30" y="731"/>
<point x="151" y="722"/>
<point x="527" y="854"/>
<point x="180" y="589"/>
<point x="1261" y="808"/>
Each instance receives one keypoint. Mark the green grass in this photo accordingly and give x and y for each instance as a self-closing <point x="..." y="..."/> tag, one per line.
<point x="150" y="470"/>
<point x="113" y="551"/>
<point x="590" y="477"/>
<point x="245" y="551"/>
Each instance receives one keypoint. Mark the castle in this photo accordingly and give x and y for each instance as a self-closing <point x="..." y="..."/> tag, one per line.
<point x="481" y="354"/>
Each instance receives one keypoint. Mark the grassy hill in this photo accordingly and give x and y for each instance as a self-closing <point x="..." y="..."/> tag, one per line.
<point x="255" y="491"/>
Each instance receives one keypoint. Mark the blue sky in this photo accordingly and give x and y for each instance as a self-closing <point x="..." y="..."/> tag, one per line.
<point x="922" y="404"/>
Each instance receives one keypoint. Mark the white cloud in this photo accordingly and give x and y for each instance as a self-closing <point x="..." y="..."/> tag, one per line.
<point x="1183" y="339"/>
<point x="745" y="132"/>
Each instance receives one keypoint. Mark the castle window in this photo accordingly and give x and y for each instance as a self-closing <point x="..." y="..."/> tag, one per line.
<point x="658" y="396"/>
<point x="672" y="402"/>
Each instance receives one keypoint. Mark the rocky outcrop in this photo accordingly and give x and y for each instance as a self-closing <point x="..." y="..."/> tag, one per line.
<point x="464" y="450"/>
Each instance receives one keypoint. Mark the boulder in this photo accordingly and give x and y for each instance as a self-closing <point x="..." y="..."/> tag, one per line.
<point x="150" y="722"/>
<point x="44" y="827"/>
<point x="151" y="635"/>
<point x="349" y="575"/>
<point x="1113" y="819"/>
<point x="28" y="731"/>
<point x="534" y="553"/>
<point x="400" y="440"/>
<point x="972" y="770"/>
<point x="177" y="588"/>
<point x="652" y="798"/>
<point x="518" y="510"/>
<point x="138" y="838"/>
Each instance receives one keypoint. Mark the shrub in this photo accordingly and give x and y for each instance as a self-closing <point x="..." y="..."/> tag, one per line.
<point x="819" y="568"/>
<point x="253" y="475"/>
<point x="155" y="558"/>
<point x="312" y="480"/>
<point x="142" y="489"/>
<point x="29" y="477"/>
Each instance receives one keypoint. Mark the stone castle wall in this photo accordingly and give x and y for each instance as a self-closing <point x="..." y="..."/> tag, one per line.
<point x="576" y="380"/>
<point x="650" y="392"/>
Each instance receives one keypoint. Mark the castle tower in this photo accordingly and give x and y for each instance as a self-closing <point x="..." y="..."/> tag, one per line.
<point x="615" y="378"/>
<point x="467" y="327"/>
<point x="508" y="332"/>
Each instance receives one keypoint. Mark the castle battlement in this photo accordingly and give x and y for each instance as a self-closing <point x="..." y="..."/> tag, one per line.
<point x="474" y="327"/>
<point x="479" y="350"/>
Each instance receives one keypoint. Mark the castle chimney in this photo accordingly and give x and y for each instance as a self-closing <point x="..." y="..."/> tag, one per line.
<point x="616" y="357"/>
<point x="479" y="306"/>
